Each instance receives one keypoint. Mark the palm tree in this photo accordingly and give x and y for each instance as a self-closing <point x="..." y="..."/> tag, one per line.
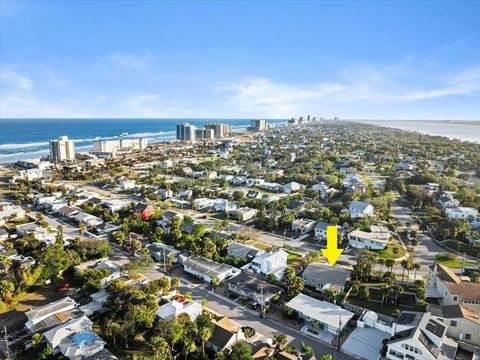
<point x="7" y="263"/>
<point x="205" y="329"/>
<point x="405" y="264"/>
<point x="83" y="228"/>
<point x="389" y="263"/>
<point x="381" y="262"/>
<point x="280" y="340"/>
<point x="113" y="330"/>
<point x="160" y="348"/>
<point x="416" y="266"/>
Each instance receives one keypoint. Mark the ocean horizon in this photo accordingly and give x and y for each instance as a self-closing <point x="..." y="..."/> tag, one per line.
<point x="27" y="138"/>
<point x="23" y="139"/>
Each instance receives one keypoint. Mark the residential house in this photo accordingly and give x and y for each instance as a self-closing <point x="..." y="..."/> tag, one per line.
<point x="9" y="210"/>
<point x="321" y="230"/>
<point x="126" y="184"/>
<point x="421" y="337"/>
<point x="291" y="187"/>
<point x="360" y="209"/>
<point x="376" y="239"/>
<point x="245" y="214"/>
<point x="87" y="219"/>
<point x="113" y="269"/>
<point x="115" y="204"/>
<point x="203" y="204"/>
<point x="75" y="339"/>
<point x="174" y="308"/>
<point x="449" y="289"/>
<point x="303" y="226"/>
<point x="270" y="263"/>
<point x="446" y="200"/>
<point x="270" y="186"/>
<point x="207" y="269"/>
<point x="322" y="276"/>
<point x="226" y="333"/>
<point x="163" y="253"/>
<point x="243" y="251"/>
<point x="164" y="194"/>
<point x="185" y="194"/>
<point x="41" y="313"/>
<point x="467" y="213"/>
<point x="321" y="315"/>
<point x="252" y="288"/>
<point x="68" y="211"/>
<point x="167" y="217"/>
<point x="224" y="205"/>
<point x="462" y="323"/>
<point x="146" y="211"/>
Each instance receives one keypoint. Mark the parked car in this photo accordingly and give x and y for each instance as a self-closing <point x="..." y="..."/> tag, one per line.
<point x="62" y="287"/>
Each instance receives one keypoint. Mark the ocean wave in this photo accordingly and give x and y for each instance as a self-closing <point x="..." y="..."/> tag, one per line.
<point x="165" y="134"/>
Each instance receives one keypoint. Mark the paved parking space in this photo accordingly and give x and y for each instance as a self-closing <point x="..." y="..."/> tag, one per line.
<point x="365" y="342"/>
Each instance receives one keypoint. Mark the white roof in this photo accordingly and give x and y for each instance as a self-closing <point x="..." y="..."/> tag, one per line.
<point x="320" y="311"/>
<point x="175" y="308"/>
<point x="57" y="334"/>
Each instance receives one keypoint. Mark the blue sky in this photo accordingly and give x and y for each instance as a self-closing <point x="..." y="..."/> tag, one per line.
<point x="395" y="60"/>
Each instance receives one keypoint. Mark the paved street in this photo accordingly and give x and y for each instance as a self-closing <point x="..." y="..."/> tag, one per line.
<point x="264" y="326"/>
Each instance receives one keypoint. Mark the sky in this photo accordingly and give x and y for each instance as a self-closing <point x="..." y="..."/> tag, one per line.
<point x="273" y="59"/>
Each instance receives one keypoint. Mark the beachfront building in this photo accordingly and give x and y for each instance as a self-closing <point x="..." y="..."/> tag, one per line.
<point x="220" y="130"/>
<point x="186" y="132"/>
<point x="62" y="150"/>
<point x="257" y="125"/>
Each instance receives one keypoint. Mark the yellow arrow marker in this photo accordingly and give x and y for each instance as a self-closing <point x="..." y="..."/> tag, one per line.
<point x="332" y="252"/>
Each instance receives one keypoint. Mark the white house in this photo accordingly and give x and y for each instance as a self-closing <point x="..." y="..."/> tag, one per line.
<point x="291" y="187"/>
<point x="449" y="289"/>
<point x="376" y="239"/>
<point x="203" y="204"/>
<point x="462" y="324"/>
<point x="167" y="217"/>
<point x="115" y="204"/>
<point x="270" y="263"/>
<point x="321" y="230"/>
<point x="174" y="308"/>
<point x="41" y="313"/>
<point x="360" y="209"/>
<point x="303" y="226"/>
<point x="420" y="336"/>
<point x="467" y="213"/>
<point x="75" y="339"/>
<point x="207" y="269"/>
<point x="125" y="184"/>
<point x="324" y="315"/>
<point x="164" y="194"/>
<point x="246" y="213"/>
<point x="224" y="205"/>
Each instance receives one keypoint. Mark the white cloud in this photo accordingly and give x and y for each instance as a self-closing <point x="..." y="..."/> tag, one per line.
<point x="133" y="61"/>
<point x="362" y="85"/>
<point x="151" y="105"/>
<point x="11" y="78"/>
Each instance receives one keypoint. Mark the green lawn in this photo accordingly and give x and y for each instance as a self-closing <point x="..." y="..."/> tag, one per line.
<point x="462" y="247"/>
<point x="259" y="245"/>
<point x="451" y="261"/>
<point x="293" y="259"/>
<point x="376" y="306"/>
<point x="393" y="251"/>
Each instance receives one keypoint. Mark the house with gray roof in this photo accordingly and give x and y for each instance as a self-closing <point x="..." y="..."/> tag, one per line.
<point x="322" y="276"/>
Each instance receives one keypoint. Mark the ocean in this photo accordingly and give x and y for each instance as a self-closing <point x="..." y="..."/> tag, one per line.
<point x="22" y="139"/>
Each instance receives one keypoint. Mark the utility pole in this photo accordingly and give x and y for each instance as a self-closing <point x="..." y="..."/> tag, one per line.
<point x="339" y="329"/>
<point x="261" y="300"/>
<point x="6" y="342"/>
<point x="164" y="261"/>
